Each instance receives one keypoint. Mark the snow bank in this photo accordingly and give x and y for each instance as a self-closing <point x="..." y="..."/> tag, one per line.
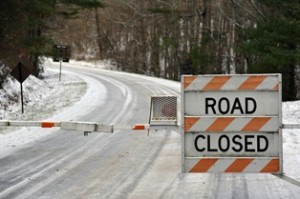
<point x="46" y="99"/>
<point x="42" y="98"/>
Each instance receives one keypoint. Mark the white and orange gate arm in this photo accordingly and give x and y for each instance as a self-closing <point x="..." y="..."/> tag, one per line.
<point x="64" y="125"/>
<point x="86" y="127"/>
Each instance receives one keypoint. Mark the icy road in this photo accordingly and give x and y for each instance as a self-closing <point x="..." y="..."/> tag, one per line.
<point x="128" y="164"/>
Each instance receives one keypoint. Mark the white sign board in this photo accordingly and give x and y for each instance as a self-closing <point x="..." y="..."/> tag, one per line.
<point x="231" y="123"/>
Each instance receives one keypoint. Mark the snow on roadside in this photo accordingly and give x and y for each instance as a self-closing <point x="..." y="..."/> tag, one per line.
<point x="291" y="139"/>
<point x="101" y="64"/>
<point x="48" y="99"/>
<point x="42" y="99"/>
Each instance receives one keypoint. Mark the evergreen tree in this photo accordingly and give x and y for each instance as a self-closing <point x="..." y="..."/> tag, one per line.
<point x="22" y="24"/>
<point x="272" y="44"/>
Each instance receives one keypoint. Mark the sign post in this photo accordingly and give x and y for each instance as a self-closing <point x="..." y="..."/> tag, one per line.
<point x="231" y="123"/>
<point x="20" y="72"/>
<point x="61" y="53"/>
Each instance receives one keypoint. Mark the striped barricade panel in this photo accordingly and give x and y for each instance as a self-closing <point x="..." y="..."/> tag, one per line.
<point x="229" y="82"/>
<point x="232" y="165"/>
<point x="231" y="124"/>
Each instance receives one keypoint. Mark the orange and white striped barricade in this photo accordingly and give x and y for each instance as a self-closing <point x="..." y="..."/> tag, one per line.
<point x="232" y="123"/>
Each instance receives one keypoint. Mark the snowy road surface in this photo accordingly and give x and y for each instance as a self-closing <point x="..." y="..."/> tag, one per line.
<point x="127" y="164"/>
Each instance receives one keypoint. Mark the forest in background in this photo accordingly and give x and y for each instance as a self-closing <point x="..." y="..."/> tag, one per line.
<point x="162" y="38"/>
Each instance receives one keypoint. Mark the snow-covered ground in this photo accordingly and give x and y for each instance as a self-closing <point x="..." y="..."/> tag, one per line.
<point x="42" y="98"/>
<point x="46" y="99"/>
<point x="49" y="99"/>
<point x="291" y="139"/>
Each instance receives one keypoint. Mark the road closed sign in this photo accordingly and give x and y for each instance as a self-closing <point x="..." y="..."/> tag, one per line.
<point x="231" y="123"/>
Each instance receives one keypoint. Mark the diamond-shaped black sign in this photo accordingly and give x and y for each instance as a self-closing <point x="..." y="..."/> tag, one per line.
<point x="20" y="72"/>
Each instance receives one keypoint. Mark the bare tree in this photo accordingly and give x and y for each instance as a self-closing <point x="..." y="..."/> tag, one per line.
<point x="168" y="37"/>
